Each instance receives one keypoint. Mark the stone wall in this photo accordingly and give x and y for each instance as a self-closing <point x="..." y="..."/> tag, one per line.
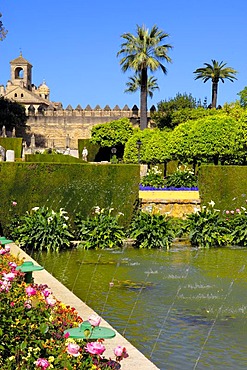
<point x="175" y="203"/>
<point x="174" y="207"/>
<point x="63" y="127"/>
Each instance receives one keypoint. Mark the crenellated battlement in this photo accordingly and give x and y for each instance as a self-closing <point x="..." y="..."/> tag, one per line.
<point x="88" y="111"/>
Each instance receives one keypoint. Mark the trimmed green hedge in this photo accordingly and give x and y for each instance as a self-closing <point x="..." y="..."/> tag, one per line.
<point x="225" y="185"/>
<point x="12" y="143"/>
<point x="74" y="187"/>
<point x="47" y="158"/>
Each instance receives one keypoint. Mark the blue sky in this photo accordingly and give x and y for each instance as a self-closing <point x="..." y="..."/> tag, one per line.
<point x="72" y="45"/>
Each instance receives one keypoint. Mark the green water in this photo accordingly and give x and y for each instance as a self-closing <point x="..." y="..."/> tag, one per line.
<point x="183" y="308"/>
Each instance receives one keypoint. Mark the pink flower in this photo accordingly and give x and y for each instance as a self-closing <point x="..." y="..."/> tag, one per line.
<point x="66" y="335"/>
<point x="42" y="363"/>
<point x="95" y="348"/>
<point x="94" y="320"/>
<point x="5" y="285"/>
<point x="30" y="291"/>
<point x="14" y="204"/>
<point x="12" y="304"/>
<point x="9" y="277"/>
<point x="120" y="352"/>
<point x="232" y="212"/>
<point x="7" y="248"/>
<point x="27" y="305"/>
<point x="13" y="265"/>
<point x="238" y="210"/>
<point x="3" y="251"/>
<point x="227" y="212"/>
<point x="51" y="301"/>
<point x="73" y="349"/>
<point x="46" y="292"/>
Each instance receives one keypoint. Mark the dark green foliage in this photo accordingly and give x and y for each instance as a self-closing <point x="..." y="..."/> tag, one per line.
<point x="12" y="114"/>
<point x="154" y="177"/>
<point x="182" y="177"/>
<point x="74" y="187"/>
<point x="93" y="149"/>
<point x="243" y="97"/>
<point x="166" y="109"/>
<point x="100" y="230"/>
<point x="238" y="226"/>
<point x="151" y="230"/>
<point x="46" y="158"/>
<point x="12" y="143"/>
<point x="206" y="228"/>
<point x="42" y="229"/>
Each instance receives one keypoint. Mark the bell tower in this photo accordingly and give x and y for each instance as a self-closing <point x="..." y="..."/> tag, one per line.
<point x="21" y="72"/>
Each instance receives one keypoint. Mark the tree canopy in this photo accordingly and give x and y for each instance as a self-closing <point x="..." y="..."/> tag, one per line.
<point x="12" y="114"/>
<point x="134" y="84"/>
<point x="154" y="147"/>
<point x="164" y="117"/>
<point x="3" y="31"/>
<point x="112" y="133"/>
<point x="215" y="72"/>
<point x="141" y="53"/>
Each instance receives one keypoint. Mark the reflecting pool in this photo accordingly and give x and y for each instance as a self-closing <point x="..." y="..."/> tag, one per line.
<point x="183" y="308"/>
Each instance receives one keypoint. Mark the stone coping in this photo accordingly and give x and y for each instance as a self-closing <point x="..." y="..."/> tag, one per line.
<point x="168" y="195"/>
<point x="136" y="358"/>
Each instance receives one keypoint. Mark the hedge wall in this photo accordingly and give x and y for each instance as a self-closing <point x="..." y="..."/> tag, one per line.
<point x="74" y="187"/>
<point x="225" y="185"/>
<point x="12" y="143"/>
<point x="57" y="158"/>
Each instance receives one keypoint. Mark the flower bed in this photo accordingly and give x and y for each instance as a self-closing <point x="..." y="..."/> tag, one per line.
<point x="172" y="188"/>
<point x="33" y="324"/>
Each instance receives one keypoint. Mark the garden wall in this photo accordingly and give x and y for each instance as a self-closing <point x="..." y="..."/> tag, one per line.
<point x="175" y="203"/>
<point x="74" y="187"/>
<point x="225" y="185"/>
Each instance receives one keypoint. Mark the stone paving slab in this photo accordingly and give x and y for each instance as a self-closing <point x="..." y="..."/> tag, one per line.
<point x="63" y="294"/>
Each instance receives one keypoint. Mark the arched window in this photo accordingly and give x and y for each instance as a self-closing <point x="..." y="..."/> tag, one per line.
<point x="19" y="73"/>
<point x="22" y="95"/>
<point x="15" y="95"/>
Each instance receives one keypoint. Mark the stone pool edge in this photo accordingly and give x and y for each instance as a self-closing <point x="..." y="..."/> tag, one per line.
<point x="63" y="294"/>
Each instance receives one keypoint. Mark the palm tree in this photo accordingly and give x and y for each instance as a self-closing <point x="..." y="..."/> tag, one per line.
<point x="215" y="72"/>
<point x="134" y="84"/>
<point x="142" y="52"/>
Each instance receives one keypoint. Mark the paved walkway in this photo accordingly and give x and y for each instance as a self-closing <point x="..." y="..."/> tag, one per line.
<point x="136" y="358"/>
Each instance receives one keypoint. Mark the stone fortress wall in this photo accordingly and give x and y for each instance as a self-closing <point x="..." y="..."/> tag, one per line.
<point x="63" y="127"/>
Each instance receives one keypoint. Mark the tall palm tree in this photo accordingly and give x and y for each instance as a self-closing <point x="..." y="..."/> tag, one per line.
<point x="134" y="84"/>
<point x="142" y="52"/>
<point x="215" y="72"/>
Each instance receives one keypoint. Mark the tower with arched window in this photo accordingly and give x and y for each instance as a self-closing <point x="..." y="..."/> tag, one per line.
<point x="21" y="72"/>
